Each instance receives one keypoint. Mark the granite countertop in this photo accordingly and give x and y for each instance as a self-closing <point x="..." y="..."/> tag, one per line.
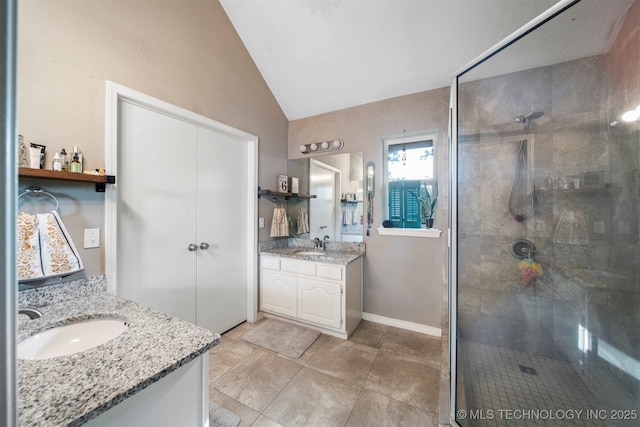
<point x="330" y="256"/>
<point x="70" y="390"/>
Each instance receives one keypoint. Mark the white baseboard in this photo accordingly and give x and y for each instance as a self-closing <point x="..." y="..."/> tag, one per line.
<point x="403" y="324"/>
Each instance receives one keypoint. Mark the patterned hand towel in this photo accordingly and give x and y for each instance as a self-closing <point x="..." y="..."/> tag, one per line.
<point x="45" y="248"/>
<point x="279" y="223"/>
<point x="29" y="265"/>
<point x="303" y="221"/>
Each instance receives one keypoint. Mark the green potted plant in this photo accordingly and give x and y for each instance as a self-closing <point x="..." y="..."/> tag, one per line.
<point x="428" y="202"/>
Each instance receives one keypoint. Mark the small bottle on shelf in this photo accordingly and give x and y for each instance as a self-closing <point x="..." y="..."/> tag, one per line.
<point x="76" y="151"/>
<point x="56" y="164"/>
<point x="64" y="160"/>
<point x="75" y="166"/>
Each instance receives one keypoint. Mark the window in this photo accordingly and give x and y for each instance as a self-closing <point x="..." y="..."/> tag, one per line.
<point x="409" y="166"/>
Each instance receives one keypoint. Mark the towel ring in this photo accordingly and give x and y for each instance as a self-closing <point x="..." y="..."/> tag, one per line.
<point x="36" y="191"/>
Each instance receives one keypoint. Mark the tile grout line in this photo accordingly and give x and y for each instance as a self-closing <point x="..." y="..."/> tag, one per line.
<point x="361" y="388"/>
<point x="287" y="384"/>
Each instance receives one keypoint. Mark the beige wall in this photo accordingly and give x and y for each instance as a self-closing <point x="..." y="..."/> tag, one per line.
<point x="403" y="276"/>
<point x="185" y="52"/>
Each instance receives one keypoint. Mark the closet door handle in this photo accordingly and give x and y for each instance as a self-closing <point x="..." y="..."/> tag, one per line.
<point x="204" y="246"/>
<point x="192" y="247"/>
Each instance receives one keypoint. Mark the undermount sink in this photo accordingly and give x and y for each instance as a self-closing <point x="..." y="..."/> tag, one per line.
<point x="310" y="253"/>
<point x="70" y="338"/>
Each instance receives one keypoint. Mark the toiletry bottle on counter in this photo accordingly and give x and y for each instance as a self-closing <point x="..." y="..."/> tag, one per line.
<point x="76" y="151"/>
<point x="75" y="166"/>
<point x="56" y="164"/>
<point x="64" y="160"/>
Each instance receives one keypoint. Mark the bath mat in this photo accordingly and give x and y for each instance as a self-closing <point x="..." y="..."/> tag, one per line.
<point x="282" y="337"/>
<point x="221" y="417"/>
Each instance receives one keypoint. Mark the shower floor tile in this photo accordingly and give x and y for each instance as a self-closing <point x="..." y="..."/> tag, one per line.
<point x="498" y="392"/>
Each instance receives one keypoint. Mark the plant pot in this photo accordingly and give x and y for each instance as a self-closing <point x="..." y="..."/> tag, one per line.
<point x="428" y="222"/>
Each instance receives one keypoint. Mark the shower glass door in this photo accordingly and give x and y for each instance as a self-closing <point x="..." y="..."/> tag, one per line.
<point x="545" y="273"/>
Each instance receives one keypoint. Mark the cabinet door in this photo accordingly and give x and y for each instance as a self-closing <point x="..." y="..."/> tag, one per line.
<point x="320" y="302"/>
<point x="156" y="218"/>
<point x="278" y="293"/>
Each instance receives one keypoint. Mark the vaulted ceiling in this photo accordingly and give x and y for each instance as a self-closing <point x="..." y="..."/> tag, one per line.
<point x="318" y="56"/>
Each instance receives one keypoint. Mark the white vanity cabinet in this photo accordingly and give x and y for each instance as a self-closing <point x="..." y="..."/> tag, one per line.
<point x="323" y="295"/>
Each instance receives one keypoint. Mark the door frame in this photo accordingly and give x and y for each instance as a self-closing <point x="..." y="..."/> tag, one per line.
<point x="114" y="94"/>
<point x="8" y="210"/>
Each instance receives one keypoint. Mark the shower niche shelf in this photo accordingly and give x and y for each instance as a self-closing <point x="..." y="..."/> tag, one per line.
<point x="582" y="190"/>
<point x="99" y="180"/>
<point x="578" y="193"/>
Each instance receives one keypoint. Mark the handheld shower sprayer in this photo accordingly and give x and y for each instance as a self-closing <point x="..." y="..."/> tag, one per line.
<point x="521" y="197"/>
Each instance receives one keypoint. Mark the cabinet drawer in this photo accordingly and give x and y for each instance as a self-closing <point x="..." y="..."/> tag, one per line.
<point x="331" y="272"/>
<point x="298" y="267"/>
<point x="270" y="263"/>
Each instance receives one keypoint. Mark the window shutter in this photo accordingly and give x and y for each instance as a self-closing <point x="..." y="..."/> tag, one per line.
<point x="395" y="203"/>
<point x="404" y="205"/>
<point x="412" y="204"/>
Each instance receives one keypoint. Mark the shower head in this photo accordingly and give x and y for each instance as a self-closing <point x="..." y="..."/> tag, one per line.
<point x="534" y="114"/>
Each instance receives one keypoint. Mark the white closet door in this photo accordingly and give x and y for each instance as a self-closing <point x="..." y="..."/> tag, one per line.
<point x="156" y="211"/>
<point x="222" y="224"/>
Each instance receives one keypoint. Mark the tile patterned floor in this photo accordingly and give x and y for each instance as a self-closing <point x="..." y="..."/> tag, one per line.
<point x="494" y="383"/>
<point x="381" y="376"/>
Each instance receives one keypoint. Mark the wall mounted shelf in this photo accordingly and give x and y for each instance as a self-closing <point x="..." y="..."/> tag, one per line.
<point x="100" y="180"/>
<point x="286" y="196"/>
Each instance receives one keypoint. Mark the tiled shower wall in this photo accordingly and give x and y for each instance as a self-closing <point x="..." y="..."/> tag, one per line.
<point x="589" y="283"/>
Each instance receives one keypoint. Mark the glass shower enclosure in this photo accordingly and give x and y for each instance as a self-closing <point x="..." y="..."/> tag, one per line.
<point x="545" y="252"/>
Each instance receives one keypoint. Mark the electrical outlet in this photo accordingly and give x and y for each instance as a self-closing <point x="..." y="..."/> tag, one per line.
<point x="91" y="238"/>
<point x="260" y="222"/>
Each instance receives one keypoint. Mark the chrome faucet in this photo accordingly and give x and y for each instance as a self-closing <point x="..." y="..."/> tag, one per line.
<point x="324" y="242"/>
<point x="31" y="312"/>
<point x="317" y="243"/>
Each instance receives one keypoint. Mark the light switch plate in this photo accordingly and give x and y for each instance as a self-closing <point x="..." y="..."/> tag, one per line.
<point x="91" y="238"/>
<point x="260" y="222"/>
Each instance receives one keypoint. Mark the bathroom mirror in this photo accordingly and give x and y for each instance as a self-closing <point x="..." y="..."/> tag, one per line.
<point x="337" y="181"/>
